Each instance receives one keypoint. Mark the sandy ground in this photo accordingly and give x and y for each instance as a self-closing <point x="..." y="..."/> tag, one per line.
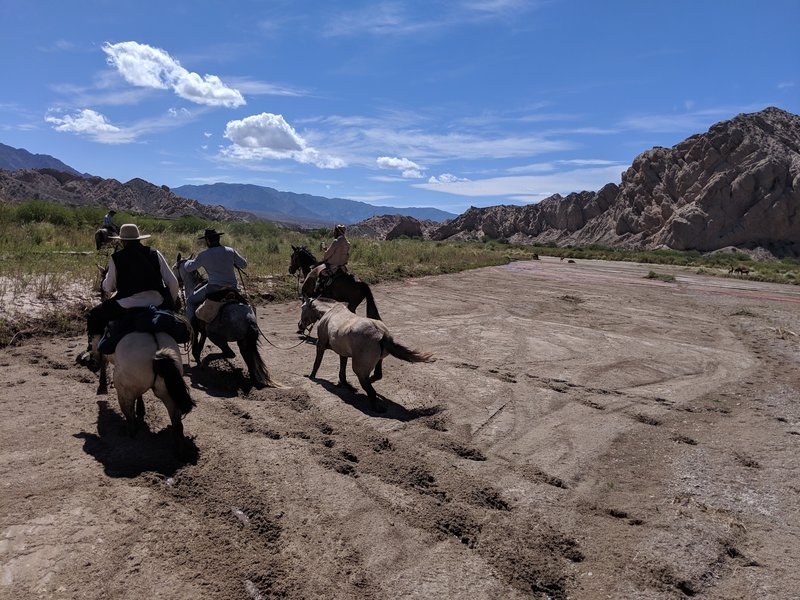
<point x="585" y="433"/>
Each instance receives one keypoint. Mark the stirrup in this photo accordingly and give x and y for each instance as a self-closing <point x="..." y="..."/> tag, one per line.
<point x="86" y="359"/>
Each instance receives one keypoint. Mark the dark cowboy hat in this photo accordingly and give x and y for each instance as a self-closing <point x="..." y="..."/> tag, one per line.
<point x="210" y="234"/>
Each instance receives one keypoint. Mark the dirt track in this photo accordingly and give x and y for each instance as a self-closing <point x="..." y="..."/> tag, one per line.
<point x="585" y="433"/>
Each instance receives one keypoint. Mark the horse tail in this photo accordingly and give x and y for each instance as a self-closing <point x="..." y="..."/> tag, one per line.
<point x="165" y="365"/>
<point x="98" y="239"/>
<point x="249" y="349"/>
<point x="372" y="309"/>
<point x="403" y="353"/>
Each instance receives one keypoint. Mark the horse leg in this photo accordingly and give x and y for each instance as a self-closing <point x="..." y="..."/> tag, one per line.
<point x="198" y="342"/>
<point x="318" y="360"/>
<point x="140" y="410"/>
<point x="372" y="395"/>
<point x="378" y="374"/>
<point x="102" y="386"/>
<point x="343" y="373"/>
<point x="227" y="352"/>
<point x="126" y="404"/>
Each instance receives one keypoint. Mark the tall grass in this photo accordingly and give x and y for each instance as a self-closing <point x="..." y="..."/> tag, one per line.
<point x="47" y="248"/>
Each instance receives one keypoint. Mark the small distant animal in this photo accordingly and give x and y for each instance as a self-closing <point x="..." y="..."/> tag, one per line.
<point x="739" y="270"/>
<point x="571" y="261"/>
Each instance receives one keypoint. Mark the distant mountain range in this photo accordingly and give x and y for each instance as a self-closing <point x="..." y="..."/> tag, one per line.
<point x="264" y="202"/>
<point x="736" y="185"/>
<point x="291" y="207"/>
<point x="13" y="159"/>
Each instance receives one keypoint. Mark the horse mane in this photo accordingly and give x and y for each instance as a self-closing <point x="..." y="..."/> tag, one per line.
<point x="307" y="252"/>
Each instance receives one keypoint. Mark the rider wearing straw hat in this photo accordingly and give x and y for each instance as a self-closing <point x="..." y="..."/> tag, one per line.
<point x="137" y="276"/>
<point x="220" y="263"/>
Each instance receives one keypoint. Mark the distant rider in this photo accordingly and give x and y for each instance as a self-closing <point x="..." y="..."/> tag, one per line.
<point x="220" y="263"/>
<point x="137" y="276"/>
<point x="335" y="260"/>
<point x="108" y="223"/>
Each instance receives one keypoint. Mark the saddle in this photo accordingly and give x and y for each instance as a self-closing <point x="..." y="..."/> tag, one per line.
<point x="147" y="320"/>
<point x="215" y="301"/>
<point x="325" y="279"/>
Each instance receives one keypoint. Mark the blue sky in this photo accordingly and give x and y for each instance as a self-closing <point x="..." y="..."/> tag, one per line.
<point x="401" y="103"/>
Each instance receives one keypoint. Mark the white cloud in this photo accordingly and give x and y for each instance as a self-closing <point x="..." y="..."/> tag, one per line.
<point x="444" y="178"/>
<point x="145" y="66"/>
<point x="682" y="122"/>
<point x="545" y="167"/>
<point x="269" y="136"/>
<point x="253" y="87"/>
<point x="532" y="185"/>
<point x="91" y="124"/>
<point x="99" y="128"/>
<point x="207" y="134"/>
<point x="409" y="168"/>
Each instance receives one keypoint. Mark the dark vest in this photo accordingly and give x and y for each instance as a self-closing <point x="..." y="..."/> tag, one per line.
<point x="138" y="270"/>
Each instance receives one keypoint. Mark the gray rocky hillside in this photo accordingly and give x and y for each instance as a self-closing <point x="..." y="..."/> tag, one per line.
<point x="736" y="185"/>
<point x="390" y="227"/>
<point x="137" y="195"/>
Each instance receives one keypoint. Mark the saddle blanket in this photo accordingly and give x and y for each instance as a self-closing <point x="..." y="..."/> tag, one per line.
<point x="148" y="320"/>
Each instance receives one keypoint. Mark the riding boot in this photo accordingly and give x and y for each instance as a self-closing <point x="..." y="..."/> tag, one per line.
<point x="90" y="358"/>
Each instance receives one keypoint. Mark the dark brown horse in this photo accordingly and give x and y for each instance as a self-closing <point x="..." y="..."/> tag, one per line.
<point x="102" y="237"/>
<point x="344" y="288"/>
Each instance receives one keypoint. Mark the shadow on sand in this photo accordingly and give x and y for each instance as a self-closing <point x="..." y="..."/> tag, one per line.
<point x="359" y="400"/>
<point x="123" y="456"/>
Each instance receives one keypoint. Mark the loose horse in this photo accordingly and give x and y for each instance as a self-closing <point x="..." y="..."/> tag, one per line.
<point x="236" y="322"/>
<point x="739" y="270"/>
<point x="343" y="289"/>
<point x="367" y="341"/>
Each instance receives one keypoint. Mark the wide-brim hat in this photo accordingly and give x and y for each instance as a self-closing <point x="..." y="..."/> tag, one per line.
<point x="211" y="233"/>
<point x="128" y="233"/>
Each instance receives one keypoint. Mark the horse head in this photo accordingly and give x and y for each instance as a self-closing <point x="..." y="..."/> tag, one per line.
<point x="182" y="275"/>
<point x="98" y="282"/>
<point x="311" y="311"/>
<point x="308" y="316"/>
<point x="301" y="259"/>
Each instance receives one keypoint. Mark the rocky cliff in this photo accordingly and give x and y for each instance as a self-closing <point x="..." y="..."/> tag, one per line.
<point x="736" y="185"/>
<point x="390" y="227"/>
<point x="137" y="195"/>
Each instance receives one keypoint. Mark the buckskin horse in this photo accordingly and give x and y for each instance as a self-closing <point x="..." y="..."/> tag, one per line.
<point x="343" y="288"/>
<point x="236" y="322"/>
<point x="367" y="341"/>
<point x="146" y="361"/>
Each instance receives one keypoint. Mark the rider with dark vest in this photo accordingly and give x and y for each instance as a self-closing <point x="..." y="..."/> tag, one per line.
<point x="138" y="276"/>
